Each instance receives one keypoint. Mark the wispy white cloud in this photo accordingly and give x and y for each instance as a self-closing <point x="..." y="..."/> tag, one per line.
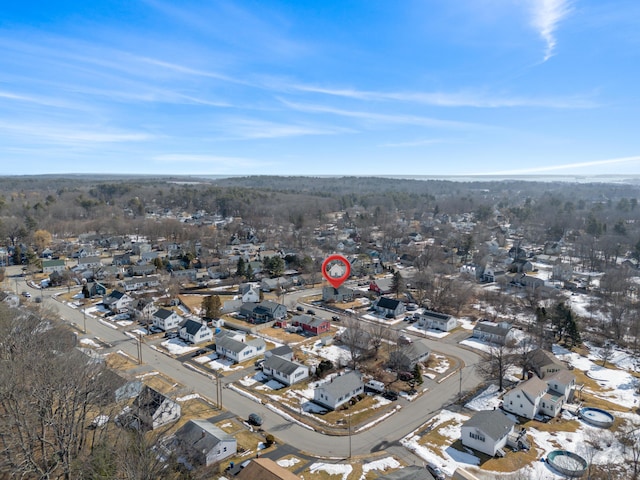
<point x="546" y="16"/>
<point x="417" y="143"/>
<point x="569" y="167"/>
<point x="257" y="129"/>
<point x="457" y="99"/>
<point x="384" y="118"/>
<point x="38" y="100"/>
<point x="70" y="134"/>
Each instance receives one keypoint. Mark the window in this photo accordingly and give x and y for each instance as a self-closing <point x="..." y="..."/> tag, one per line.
<point x="476" y="436"/>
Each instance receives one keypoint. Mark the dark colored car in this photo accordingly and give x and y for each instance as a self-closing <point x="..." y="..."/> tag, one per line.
<point x="311" y="312"/>
<point x="390" y="395"/>
<point x="405" y="376"/>
<point x="255" y="419"/>
<point x="335" y="318"/>
<point x="299" y="308"/>
<point x="436" y="472"/>
<point x="197" y="353"/>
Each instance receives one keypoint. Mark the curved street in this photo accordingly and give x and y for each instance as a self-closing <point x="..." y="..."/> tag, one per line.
<point x="385" y="434"/>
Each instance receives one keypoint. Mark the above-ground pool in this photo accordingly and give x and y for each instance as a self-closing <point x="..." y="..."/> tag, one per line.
<point x="567" y="463"/>
<point x="596" y="417"/>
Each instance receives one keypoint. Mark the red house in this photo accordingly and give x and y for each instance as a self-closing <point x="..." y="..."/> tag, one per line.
<point x="314" y="325"/>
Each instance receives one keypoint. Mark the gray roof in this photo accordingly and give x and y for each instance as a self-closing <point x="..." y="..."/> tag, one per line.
<point x="308" y="320"/>
<point x="492" y="423"/>
<point x="436" y="315"/>
<point x="236" y="346"/>
<point x="492" y="328"/>
<point x="282" y="365"/>
<point x="541" y="358"/>
<point x="282" y="350"/>
<point x="412" y="472"/>
<point x="343" y="384"/>
<point x="201" y="435"/>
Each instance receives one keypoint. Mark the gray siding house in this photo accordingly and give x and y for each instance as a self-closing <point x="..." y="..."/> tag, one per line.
<point x="339" y="390"/>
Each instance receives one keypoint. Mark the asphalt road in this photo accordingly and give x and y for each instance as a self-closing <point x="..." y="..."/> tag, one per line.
<point x="379" y="437"/>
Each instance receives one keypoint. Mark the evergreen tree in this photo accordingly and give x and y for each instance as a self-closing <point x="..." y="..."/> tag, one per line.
<point x="398" y="285"/>
<point x="417" y="374"/>
<point x="211" y="306"/>
<point x="240" y="268"/>
<point x="249" y="273"/>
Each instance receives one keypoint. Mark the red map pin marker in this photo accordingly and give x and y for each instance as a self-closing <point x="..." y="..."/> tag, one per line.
<point x="336" y="269"/>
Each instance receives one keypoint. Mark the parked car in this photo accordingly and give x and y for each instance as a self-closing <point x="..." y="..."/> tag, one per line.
<point x="26" y="294"/>
<point x="197" y="353"/>
<point x="167" y="334"/>
<point x="436" y="472"/>
<point x="255" y="419"/>
<point x="311" y="312"/>
<point x="405" y="376"/>
<point x="335" y="318"/>
<point x="299" y="308"/>
<point x="390" y="395"/>
<point x="411" y="307"/>
<point x="404" y="340"/>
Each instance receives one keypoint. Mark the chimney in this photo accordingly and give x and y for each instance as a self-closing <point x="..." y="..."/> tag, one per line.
<point x="203" y="434"/>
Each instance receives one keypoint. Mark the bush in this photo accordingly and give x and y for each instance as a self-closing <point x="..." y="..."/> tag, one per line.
<point x="269" y="440"/>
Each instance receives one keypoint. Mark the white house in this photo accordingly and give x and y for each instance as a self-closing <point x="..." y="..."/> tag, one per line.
<point x="487" y="432"/>
<point x="389" y="306"/>
<point x="499" y="333"/>
<point x="339" y="390"/>
<point x="437" y="321"/>
<point x="166" y="319"/>
<point x="195" y="332"/>
<point x="151" y="409"/>
<point x="562" y="382"/>
<point x="250" y="293"/>
<point x="50" y="266"/>
<point x="200" y="442"/>
<point x="525" y="398"/>
<point x="284" y="370"/>
<point x="117" y="301"/>
<point x="238" y="351"/>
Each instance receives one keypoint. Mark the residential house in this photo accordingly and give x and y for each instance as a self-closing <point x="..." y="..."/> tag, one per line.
<point x="264" y="311"/>
<point x="50" y="266"/>
<point x="200" y="442"/>
<point x="96" y="289"/>
<point x="562" y="382"/>
<point x="284" y="370"/>
<point x="491" y="332"/>
<point x="562" y="272"/>
<point x="142" y="248"/>
<point x="406" y="357"/>
<point x="339" y="390"/>
<point x="141" y="270"/>
<point x="311" y="324"/>
<point x="411" y="472"/>
<point x="389" y="307"/>
<point x="195" y="332"/>
<point x="190" y="274"/>
<point x="487" y="432"/>
<point x="472" y="270"/>
<point x="525" y="399"/>
<point x="165" y="319"/>
<point x="544" y="363"/>
<point x="143" y="309"/>
<point x="284" y="351"/>
<point x="437" y="321"/>
<point x="238" y="351"/>
<point x="521" y="265"/>
<point x="381" y="286"/>
<point x="527" y="281"/>
<point x="89" y="262"/>
<point x="493" y="274"/>
<point x="249" y="292"/>
<point x="121" y="260"/>
<point x="265" y="469"/>
<point x="341" y="294"/>
<point x="270" y="284"/>
<point x="139" y="283"/>
<point x="151" y="409"/>
<point x="147" y="256"/>
<point x="117" y="301"/>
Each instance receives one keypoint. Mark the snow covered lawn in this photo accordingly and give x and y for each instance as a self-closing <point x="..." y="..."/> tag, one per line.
<point x="175" y="346"/>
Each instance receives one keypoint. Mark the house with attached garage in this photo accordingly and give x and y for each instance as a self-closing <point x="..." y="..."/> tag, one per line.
<point x="165" y="319"/>
<point x="406" y="357"/>
<point x="389" y="307"/>
<point x="498" y="333"/>
<point x="263" y="312"/>
<point x="284" y="351"/>
<point x="195" y="332"/>
<point x="284" y="370"/>
<point x="544" y="363"/>
<point x="199" y="442"/>
<point x="437" y="321"/>
<point x="339" y="390"/>
<point x="341" y="294"/>
<point x="89" y="262"/>
<point x="117" y="301"/>
<point x="311" y="324"/>
<point x="238" y="350"/>
<point x="487" y="432"/>
<point x="525" y="399"/>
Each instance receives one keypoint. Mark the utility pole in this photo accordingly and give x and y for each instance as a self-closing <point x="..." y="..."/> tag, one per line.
<point x="460" y="387"/>
<point x="218" y="389"/>
<point x="84" y="321"/>
<point x="349" y="418"/>
<point x="140" y="348"/>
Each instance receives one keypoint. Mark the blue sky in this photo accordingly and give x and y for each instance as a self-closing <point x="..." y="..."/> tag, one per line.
<point x="326" y="87"/>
